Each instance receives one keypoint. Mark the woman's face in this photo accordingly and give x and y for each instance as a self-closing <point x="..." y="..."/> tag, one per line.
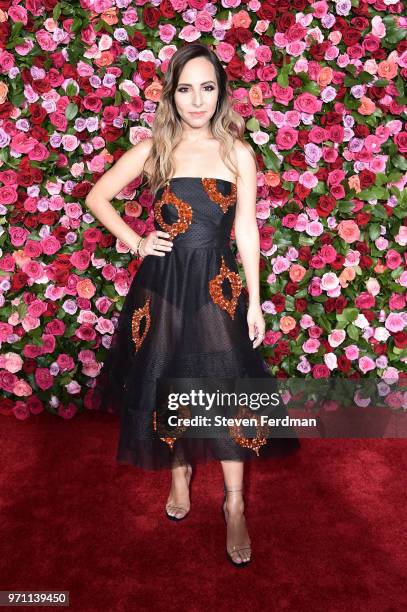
<point x="197" y="92"/>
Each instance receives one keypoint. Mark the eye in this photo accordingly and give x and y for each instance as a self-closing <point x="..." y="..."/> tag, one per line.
<point x="207" y="88"/>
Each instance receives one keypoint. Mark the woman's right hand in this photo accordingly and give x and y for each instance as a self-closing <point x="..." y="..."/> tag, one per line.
<point x="154" y="244"/>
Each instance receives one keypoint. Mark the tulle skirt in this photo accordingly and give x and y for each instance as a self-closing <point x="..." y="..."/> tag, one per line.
<point x="185" y="316"/>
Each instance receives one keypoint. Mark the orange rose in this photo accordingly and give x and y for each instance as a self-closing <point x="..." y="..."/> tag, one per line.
<point x="297" y="273"/>
<point x="348" y="231"/>
<point x="109" y="16"/>
<point x="347" y="274"/>
<point x="387" y="70"/>
<point x="287" y="323"/>
<point x="153" y="91"/>
<point x="3" y="92"/>
<point x="272" y="179"/>
<point x="325" y="76"/>
<point x="241" y="20"/>
<point x="106" y="59"/>
<point x="85" y="288"/>
<point x="379" y="268"/>
<point x="255" y="95"/>
<point x="367" y="107"/>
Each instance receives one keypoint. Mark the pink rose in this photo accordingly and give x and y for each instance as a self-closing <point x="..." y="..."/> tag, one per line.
<point x="35" y="405"/>
<point x="8" y="195"/>
<point x="349" y="231"/>
<point x="56" y="327"/>
<point x="80" y="259"/>
<point x="7" y="381"/>
<point x="395" y="322"/>
<point x="18" y="235"/>
<point x="43" y="378"/>
<point x="282" y="95"/>
<point x="397" y="301"/>
<point x="307" y="103"/>
<point x="45" y="40"/>
<point x="204" y="21"/>
<point x="50" y="245"/>
<point x="67" y="412"/>
<point x="32" y="248"/>
<point x="286" y="138"/>
<point x="20" y="410"/>
<point x="393" y="259"/>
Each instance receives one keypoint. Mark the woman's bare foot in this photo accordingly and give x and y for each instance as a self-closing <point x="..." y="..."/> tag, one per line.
<point x="178" y="504"/>
<point x="237" y="538"/>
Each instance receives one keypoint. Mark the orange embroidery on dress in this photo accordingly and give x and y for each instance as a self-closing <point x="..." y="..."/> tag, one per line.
<point x="184" y="213"/>
<point x="215" y="289"/>
<point x="184" y="412"/>
<point x="169" y="441"/>
<point x="138" y="314"/>
<point x="209" y="184"/>
<point x="253" y="444"/>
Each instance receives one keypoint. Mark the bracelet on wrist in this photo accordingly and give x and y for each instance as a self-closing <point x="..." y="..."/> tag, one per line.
<point x="138" y="246"/>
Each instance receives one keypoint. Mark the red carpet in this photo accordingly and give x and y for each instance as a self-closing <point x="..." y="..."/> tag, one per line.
<point x="327" y="526"/>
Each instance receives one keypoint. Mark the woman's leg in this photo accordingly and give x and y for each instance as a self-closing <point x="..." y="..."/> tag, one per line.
<point x="178" y="504"/>
<point x="237" y="534"/>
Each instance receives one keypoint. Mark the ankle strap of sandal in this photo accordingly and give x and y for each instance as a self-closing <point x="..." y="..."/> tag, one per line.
<point x="233" y="490"/>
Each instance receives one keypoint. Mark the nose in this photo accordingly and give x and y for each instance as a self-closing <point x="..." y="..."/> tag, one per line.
<point x="197" y="99"/>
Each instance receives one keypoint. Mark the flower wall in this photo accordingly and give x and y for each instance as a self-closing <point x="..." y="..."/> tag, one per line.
<point x="321" y="88"/>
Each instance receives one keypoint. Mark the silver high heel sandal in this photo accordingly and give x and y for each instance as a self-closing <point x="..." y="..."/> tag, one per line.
<point x="236" y="547"/>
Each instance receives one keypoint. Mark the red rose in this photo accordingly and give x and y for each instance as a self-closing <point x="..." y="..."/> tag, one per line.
<point x="361" y="131"/>
<point x="366" y="178"/>
<point x="344" y="363"/>
<point x="151" y="17"/>
<point x="400" y="141"/>
<point x="325" y="205"/>
<point x="400" y="339"/>
<point x="279" y="302"/>
<point x="267" y="11"/>
<point x="295" y="32"/>
<point x="166" y="9"/>
<point x="350" y="36"/>
<point x="138" y="41"/>
<point x="284" y="22"/>
<point x="291" y="288"/>
<point x="18" y="281"/>
<point x="371" y="43"/>
<point x="360" y="23"/>
<point x="5" y="110"/>
<point x="111" y="133"/>
<point x="320" y="370"/>
<point x="297" y="160"/>
<point x="301" y="305"/>
<point x="146" y="70"/>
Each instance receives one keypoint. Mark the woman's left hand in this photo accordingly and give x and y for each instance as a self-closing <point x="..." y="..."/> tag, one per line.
<point x="256" y="323"/>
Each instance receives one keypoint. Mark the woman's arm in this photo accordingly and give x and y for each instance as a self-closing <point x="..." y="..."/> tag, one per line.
<point x="125" y="170"/>
<point x="246" y="229"/>
<point x="247" y="238"/>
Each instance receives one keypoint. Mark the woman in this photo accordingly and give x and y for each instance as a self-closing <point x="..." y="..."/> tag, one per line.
<point x="185" y="313"/>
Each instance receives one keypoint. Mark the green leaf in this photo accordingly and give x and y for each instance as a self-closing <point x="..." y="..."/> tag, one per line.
<point x="400" y="162"/>
<point x="56" y="12"/>
<point x="374" y="231"/>
<point x="253" y="125"/>
<point x="71" y="111"/>
<point x="353" y="332"/>
<point x="374" y="193"/>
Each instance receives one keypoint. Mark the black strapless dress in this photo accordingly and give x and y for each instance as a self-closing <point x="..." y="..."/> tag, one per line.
<point x="184" y="316"/>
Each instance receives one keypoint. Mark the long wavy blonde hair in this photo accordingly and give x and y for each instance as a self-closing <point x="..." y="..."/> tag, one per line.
<point x="226" y="124"/>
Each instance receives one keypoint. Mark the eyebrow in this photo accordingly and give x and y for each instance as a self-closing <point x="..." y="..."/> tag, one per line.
<point x="201" y="83"/>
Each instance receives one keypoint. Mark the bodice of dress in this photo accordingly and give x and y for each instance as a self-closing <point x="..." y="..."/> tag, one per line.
<point x="197" y="212"/>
